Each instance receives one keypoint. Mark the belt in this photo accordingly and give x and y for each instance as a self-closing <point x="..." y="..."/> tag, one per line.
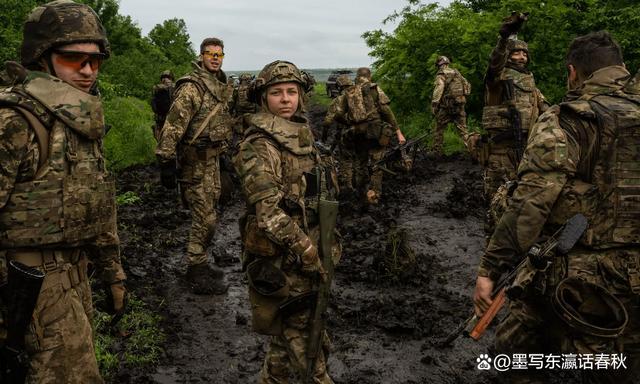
<point x="65" y="267"/>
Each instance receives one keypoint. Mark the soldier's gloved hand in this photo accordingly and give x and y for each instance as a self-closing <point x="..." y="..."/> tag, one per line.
<point x="512" y="24"/>
<point x="118" y="296"/>
<point x="401" y="139"/>
<point x="309" y="258"/>
<point x="168" y="174"/>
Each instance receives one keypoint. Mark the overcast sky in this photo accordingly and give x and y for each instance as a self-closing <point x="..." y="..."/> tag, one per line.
<point x="310" y="33"/>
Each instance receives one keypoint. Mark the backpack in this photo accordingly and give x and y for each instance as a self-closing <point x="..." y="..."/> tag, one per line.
<point x="362" y="107"/>
<point x="162" y="98"/>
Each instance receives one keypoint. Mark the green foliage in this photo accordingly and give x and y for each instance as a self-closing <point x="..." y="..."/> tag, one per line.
<point x="467" y="31"/>
<point x="319" y="95"/>
<point x="172" y="36"/>
<point x="136" y="342"/>
<point x="130" y="140"/>
<point x="127" y="198"/>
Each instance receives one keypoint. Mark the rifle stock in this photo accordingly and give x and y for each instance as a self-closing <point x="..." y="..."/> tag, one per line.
<point x="488" y="316"/>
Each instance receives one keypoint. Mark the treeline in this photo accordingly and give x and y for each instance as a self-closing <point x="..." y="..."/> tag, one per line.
<point x="467" y="31"/>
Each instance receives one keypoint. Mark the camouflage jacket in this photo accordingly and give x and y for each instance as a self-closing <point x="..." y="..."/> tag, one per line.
<point x="450" y="84"/>
<point x="339" y="108"/>
<point x="573" y="151"/>
<point x="201" y="98"/>
<point x="71" y="166"/>
<point x="271" y="162"/>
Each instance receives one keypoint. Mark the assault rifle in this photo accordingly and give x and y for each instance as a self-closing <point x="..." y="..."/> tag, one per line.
<point x="560" y="243"/>
<point x="328" y="214"/>
<point x="400" y="148"/>
<point x="21" y="293"/>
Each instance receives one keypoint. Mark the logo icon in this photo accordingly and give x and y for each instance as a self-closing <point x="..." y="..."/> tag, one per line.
<point x="484" y="362"/>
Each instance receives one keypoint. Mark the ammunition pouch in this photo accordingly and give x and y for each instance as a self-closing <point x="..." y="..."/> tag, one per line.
<point x="498" y="118"/>
<point x="66" y="267"/>
<point x="589" y="309"/>
<point x="268" y="289"/>
<point x="386" y="133"/>
<point x="255" y="240"/>
<point x="371" y="130"/>
<point x="64" y="210"/>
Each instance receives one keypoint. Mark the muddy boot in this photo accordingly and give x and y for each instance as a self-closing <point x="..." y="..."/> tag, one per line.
<point x="205" y="280"/>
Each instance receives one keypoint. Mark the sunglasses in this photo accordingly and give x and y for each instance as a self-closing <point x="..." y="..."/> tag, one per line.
<point x="214" y="55"/>
<point x="78" y="59"/>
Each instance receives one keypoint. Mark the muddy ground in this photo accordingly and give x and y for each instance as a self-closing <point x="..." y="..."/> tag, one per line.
<point x="385" y="311"/>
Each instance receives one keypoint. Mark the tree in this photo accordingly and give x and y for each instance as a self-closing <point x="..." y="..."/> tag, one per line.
<point x="172" y="38"/>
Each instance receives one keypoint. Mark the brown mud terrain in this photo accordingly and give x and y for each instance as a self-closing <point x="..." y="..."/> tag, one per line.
<point x="405" y="279"/>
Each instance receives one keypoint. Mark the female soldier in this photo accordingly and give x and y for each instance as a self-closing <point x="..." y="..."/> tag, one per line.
<point x="282" y="176"/>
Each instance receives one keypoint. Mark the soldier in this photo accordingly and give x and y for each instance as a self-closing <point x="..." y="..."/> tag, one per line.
<point x="447" y="104"/>
<point x="364" y="107"/>
<point x="197" y="131"/>
<point x="581" y="157"/>
<point x="51" y="132"/>
<point x="282" y="174"/>
<point x="241" y="102"/>
<point x="512" y="105"/>
<point x="161" y="101"/>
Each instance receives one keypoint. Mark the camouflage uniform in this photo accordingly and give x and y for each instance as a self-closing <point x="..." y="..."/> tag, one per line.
<point x="197" y="131"/>
<point x="161" y="95"/>
<point x="277" y="164"/>
<point x="507" y="87"/>
<point x="448" y="101"/>
<point x="51" y="156"/>
<point x="367" y="137"/>
<point x="242" y="103"/>
<point x="582" y="156"/>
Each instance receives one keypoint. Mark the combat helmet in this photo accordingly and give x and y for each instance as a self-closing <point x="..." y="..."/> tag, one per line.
<point x="344" y="81"/>
<point x="589" y="308"/>
<point x="168" y="74"/>
<point x="245" y="78"/>
<point x="57" y="23"/>
<point x="518" y="45"/>
<point x="442" y="60"/>
<point x="276" y="72"/>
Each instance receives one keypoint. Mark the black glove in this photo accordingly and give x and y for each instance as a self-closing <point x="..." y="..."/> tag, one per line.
<point x="512" y="24"/>
<point x="168" y="174"/>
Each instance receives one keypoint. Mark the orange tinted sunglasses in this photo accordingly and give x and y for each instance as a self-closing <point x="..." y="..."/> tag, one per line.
<point x="78" y="59"/>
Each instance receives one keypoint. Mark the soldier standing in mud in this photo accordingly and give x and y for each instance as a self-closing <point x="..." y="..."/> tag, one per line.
<point x="51" y="132"/>
<point x="364" y="108"/>
<point x="197" y="131"/>
<point x="282" y="176"/>
<point x="512" y="105"/>
<point x="161" y="101"/>
<point x="581" y="157"/>
<point x="447" y="104"/>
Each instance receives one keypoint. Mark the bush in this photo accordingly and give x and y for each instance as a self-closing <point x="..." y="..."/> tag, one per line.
<point x="130" y="140"/>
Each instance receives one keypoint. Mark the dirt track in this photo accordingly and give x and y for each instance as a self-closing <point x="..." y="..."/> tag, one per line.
<point x="381" y="324"/>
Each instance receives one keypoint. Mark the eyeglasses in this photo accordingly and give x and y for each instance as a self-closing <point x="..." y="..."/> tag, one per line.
<point x="78" y="59"/>
<point x="213" y="55"/>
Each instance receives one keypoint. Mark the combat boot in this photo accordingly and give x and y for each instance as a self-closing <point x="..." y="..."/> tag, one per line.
<point x="205" y="280"/>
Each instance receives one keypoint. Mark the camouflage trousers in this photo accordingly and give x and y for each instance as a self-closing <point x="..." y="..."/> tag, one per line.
<point x="59" y="341"/>
<point x="531" y="326"/>
<point x="200" y="184"/>
<point x="355" y="157"/>
<point x="445" y="115"/>
<point x="287" y="353"/>
<point x="500" y="167"/>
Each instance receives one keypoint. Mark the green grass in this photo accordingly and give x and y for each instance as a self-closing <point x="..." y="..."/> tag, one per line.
<point x="127" y="198"/>
<point x="130" y="140"/>
<point x="418" y="123"/>
<point x="319" y="95"/>
<point x="142" y="345"/>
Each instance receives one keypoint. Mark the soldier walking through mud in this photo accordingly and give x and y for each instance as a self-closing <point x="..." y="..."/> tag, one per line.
<point x="512" y="105"/>
<point x="450" y="93"/>
<point x="51" y="132"/>
<point x="364" y="108"/>
<point x="283" y="178"/>
<point x="581" y="157"/>
<point x="197" y="132"/>
<point x="161" y="101"/>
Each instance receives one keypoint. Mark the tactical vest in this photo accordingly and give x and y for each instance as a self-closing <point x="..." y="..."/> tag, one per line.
<point x="496" y="118"/>
<point x="162" y="97"/>
<point x="607" y="189"/>
<point x="212" y="122"/>
<point x="72" y="198"/>
<point x="455" y="85"/>
<point x="243" y="104"/>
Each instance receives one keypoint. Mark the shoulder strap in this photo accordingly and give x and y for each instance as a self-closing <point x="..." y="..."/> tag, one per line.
<point x="42" y="134"/>
<point x="205" y="122"/>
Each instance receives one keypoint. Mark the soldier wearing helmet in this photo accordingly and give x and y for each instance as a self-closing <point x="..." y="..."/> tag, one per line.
<point x="161" y="100"/>
<point x="242" y="103"/>
<point x="364" y="109"/>
<point x="581" y="157"/>
<point x="450" y="93"/>
<point x="197" y="131"/>
<point x="51" y="132"/>
<point x="282" y="175"/>
<point x="512" y="105"/>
